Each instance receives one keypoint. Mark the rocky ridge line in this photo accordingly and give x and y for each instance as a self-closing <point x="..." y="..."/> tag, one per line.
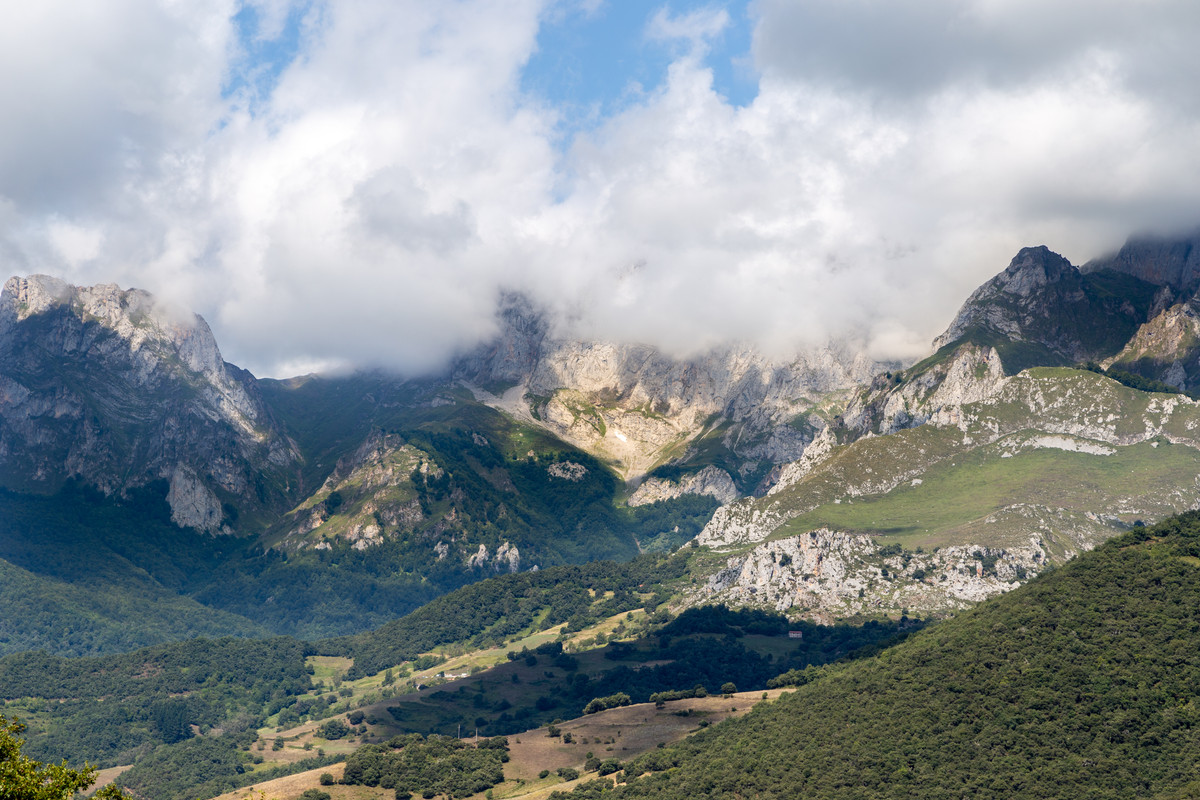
<point x="636" y="407"/>
<point x="113" y="388"/>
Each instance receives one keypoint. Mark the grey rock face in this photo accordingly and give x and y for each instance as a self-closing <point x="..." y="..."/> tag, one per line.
<point x="1043" y="311"/>
<point x="1167" y="348"/>
<point x="507" y="559"/>
<point x="114" y="389"/>
<point x="635" y="407"/>
<point x="971" y="374"/>
<point x="828" y="575"/>
<point x="711" y="481"/>
<point x="1167" y="261"/>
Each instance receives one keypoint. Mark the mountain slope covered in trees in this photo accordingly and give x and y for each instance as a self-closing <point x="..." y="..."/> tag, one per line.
<point x="1079" y="684"/>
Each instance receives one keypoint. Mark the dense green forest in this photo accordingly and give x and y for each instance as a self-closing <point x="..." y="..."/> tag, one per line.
<point x="113" y="709"/>
<point x="489" y="612"/>
<point x="84" y="574"/>
<point x="1082" y="683"/>
<point x="187" y="713"/>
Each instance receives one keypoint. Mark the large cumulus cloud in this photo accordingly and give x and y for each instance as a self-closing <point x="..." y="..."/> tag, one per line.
<point x="395" y="178"/>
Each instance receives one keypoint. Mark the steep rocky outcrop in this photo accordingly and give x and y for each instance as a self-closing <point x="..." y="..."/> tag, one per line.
<point x="506" y="559"/>
<point x="1051" y="464"/>
<point x="114" y="389"/>
<point x="710" y="481"/>
<point x="1063" y="410"/>
<point x="636" y="407"/>
<point x="970" y="374"/>
<point x="828" y="575"/>
<point x="1172" y="261"/>
<point x="368" y="495"/>
<point x="1167" y="348"/>
<point x="1041" y="310"/>
<point x="975" y="402"/>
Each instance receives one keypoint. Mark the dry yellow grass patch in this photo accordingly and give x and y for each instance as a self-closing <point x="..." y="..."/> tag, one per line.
<point x="106" y="776"/>
<point x="292" y="786"/>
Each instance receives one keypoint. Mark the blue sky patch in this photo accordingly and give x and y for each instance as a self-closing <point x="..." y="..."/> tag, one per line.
<point x="591" y="64"/>
<point x="264" y="54"/>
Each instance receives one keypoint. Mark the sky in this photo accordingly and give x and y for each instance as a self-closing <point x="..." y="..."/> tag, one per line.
<point x="355" y="183"/>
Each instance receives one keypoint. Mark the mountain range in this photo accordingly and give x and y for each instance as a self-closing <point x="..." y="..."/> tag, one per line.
<point x="546" y="494"/>
<point x="840" y="485"/>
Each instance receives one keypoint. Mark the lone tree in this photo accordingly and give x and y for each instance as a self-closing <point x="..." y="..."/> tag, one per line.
<point x="22" y="778"/>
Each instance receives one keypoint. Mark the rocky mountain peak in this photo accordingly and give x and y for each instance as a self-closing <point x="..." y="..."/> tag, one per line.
<point x="1041" y="309"/>
<point x="1000" y="304"/>
<point x="1166" y="261"/>
<point x="513" y="355"/>
<point x="1033" y="268"/>
<point x="149" y="328"/>
<point x="116" y="389"/>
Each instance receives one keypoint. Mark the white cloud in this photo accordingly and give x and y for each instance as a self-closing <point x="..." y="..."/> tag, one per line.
<point x="697" y="26"/>
<point x="372" y="207"/>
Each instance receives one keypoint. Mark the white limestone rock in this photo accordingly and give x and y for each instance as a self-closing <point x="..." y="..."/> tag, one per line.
<point x="826" y="575"/>
<point x="712" y="481"/>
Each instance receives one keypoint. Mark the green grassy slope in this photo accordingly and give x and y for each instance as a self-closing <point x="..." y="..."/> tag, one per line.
<point x="962" y="500"/>
<point x="1080" y="684"/>
<point x="1038" y="448"/>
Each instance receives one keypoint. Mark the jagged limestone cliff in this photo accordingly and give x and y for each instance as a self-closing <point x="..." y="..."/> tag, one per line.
<point x="111" y="388"/>
<point x="828" y="575"/>
<point x="709" y="481"/>
<point x="637" y="408"/>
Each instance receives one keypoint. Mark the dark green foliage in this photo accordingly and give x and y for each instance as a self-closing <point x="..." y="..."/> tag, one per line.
<point x="82" y="574"/>
<point x="150" y="696"/>
<point x="686" y="660"/>
<point x="81" y="566"/>
<point x="415" y="764"/>
<point x="333" y="729"/>
<point x="667" y="524"/>
<point x="1080" y="684"/>
<point x="204" y="767"/>
<point x="604" y="703"/>
<point x="172" y="719"/>
<point x="24" y="778"/>
<point x="200" y="767"/>
<point x="1134" y="380"/>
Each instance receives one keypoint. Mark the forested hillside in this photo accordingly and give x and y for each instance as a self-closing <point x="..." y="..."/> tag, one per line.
<point x="1080" y="684"/>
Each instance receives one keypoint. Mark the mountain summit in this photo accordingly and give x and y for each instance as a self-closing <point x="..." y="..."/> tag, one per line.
<point x="112" y="388"/>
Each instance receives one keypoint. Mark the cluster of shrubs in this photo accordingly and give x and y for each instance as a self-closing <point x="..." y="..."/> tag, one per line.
<point x="438" y="765"/>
